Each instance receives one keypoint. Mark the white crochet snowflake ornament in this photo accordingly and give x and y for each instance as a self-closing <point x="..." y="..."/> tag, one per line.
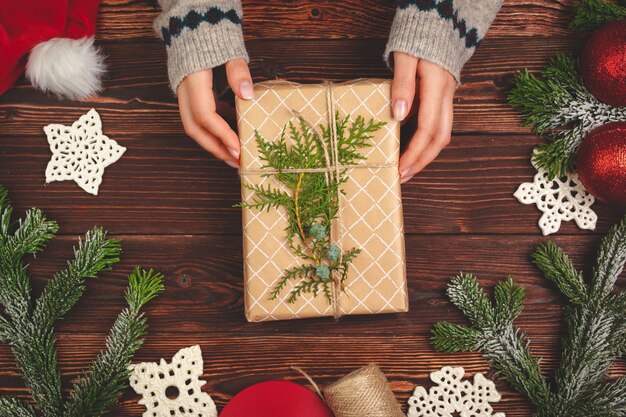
<point x="152" y="380"/>
<point x="454" y="395"/>
<point x="563" y="198"/>
<point x="81" y="152"/>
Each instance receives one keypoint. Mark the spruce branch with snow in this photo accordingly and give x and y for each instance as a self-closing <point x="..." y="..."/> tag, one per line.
<point x="27" y="325"/>
<point x="557" y="103"/>
<point x="595" y="331"/>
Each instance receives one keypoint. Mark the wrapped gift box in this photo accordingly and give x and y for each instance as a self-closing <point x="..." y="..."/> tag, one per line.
<point x="370" y="206"/>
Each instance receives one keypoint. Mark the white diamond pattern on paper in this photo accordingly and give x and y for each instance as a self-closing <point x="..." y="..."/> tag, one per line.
<point x="560" y="199"/>
<point x="454" y="396"/>
<point x="378" y="230"/>
<point x="81" y="152"/>
<point x="152" y="380"/>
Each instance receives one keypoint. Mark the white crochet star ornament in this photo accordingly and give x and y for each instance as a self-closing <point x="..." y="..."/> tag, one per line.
<point x="453" y="396"/>
<point x="81" y="152"/>
<point x="563" y="198"/>
<point x="173" y="389"/>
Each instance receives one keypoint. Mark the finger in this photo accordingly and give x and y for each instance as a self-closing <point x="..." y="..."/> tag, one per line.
<point x="239" y="78"/>
<point x="201" y="104"/>
<point x="440" y="140"/>
<point x="204" y="138"/>
<point x="430" y="103"/>
<point x="403" y="84"/>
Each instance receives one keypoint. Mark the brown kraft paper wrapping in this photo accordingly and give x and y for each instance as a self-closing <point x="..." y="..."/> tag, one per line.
<point x="371" y="209"/>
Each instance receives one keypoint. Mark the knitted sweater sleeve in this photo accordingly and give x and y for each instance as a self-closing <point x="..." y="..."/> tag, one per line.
<point x="445" y="32"/>
<point x="199" y="34"/>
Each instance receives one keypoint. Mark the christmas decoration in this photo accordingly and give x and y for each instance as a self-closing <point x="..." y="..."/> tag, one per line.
<point x="604" y="63"/>
<point x="81" y="152"/>
<point x="276" y="399"/>
<point x="601" y="162"/>
<point x="53" y="40"/>
<point x="311" y="199"/>
<point x="591" y="14"/>
<point x="562" y="198"/>
<point x="27" y="324"/>
<point x="322" y="212"/>
<point x="562" y="105"/>
<point x="455" y="395"/>
<point x="173" y="389"/>
<point x="595" y="332"/>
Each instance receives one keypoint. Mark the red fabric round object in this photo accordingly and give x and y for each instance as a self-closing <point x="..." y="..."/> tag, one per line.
<point x="604" y="63"/>
<point x="26" y="23"/>
<point x="601" y="163"/>
<point x="276" y="399"/>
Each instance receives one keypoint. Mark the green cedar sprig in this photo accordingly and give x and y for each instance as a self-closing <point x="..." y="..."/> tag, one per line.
<point x="595" y="332"/>
<point x="591" y="14"/>
<point x="310" y="199"/>
<point x="27" y="324"/>
<point x="557" y="103"/>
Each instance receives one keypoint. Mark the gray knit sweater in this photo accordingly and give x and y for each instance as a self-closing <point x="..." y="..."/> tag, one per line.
<point x="201" y="34"/>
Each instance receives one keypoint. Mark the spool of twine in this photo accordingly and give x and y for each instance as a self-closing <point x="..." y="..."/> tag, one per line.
<point x="363" y="393"/>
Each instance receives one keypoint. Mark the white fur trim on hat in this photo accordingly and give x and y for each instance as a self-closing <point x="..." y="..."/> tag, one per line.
<point x="69" y="68"/>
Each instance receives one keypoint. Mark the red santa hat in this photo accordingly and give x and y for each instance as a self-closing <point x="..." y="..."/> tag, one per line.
<point x="53" y="41"/>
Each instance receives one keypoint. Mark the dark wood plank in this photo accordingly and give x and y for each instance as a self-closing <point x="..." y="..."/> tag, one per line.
<point x="204" y="285"/>
<point x="137" y="99"/>
<point x="326" y="19"/>
<point x="167" y="185"/>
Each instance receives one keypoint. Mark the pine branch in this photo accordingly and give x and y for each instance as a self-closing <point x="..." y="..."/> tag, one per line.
<point x="6" y="211"/>
<point x="508" y="302"/>
<point x="592" y="14"/>
<point x="450" y="337"/>
<point x="608" y="401"/>
<point x="95" y="254"/>
<point x="98" y="389"/>
<point x="610" y="261"/>
<point x="557" y="267"/>
<point x="12" y="407"/>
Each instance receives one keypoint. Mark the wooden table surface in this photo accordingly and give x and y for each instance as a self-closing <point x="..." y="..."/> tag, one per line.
<point x="171" y="203"/>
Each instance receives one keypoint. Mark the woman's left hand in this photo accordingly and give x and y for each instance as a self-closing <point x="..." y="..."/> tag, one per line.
<point x="435" y="88"/>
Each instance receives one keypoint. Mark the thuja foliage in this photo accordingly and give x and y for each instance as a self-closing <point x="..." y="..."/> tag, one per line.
<point x="595" y="332"/>
<point x="592" y="14"/>
<point x="27" y="324"/>
<point x="311" y="198"/>
<point x="557" y="103"/>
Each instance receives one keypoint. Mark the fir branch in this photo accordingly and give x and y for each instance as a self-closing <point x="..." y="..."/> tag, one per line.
<point x="465" y="293"/>
<point x="6" y="211"/>
<point x="450" y="337"/>
<point x="608" y="401"/>
<point x="610" y="260"/>
<point x="12" y="407"/>
<point x="559" y="104"/>
<point x="95" y="254"/>
<point x="508" y="302"/>
<point x="592" y="14"/>
<point x="310" y="199"/>
<point x="98" y="389"/>
<point x="557" y="267"/>
<point x="32" y="234"/>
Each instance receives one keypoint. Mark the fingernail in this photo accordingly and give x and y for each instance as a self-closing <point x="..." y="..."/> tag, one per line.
<point x="234" y="153"/>
<point x="404" y="173"/>
<point x="400" y="109"/>
<point x="246" y="90"/>
<point x="232" y="164"/>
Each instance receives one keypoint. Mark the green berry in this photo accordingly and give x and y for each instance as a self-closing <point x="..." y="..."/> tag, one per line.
<point x="322" y="271"/>
<point x="317" y="231"/>
<point x="333" y="253"/>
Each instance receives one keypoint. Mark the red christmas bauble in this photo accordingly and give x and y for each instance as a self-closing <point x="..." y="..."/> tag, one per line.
<point x="601" y="163"/>
<point x="276" y="399"/>
<point x="604" y="63"/>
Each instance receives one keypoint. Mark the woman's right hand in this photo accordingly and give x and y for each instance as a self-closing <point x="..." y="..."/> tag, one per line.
<point x="198" y="110"/>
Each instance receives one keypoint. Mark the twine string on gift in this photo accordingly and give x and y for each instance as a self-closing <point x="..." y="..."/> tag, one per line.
<point x="364" y="392"/>
<point x="333" y="167"/>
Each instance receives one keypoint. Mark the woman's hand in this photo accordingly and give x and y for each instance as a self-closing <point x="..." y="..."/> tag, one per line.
<point x="198" y="110"/>
<point x="435" y="88"/>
